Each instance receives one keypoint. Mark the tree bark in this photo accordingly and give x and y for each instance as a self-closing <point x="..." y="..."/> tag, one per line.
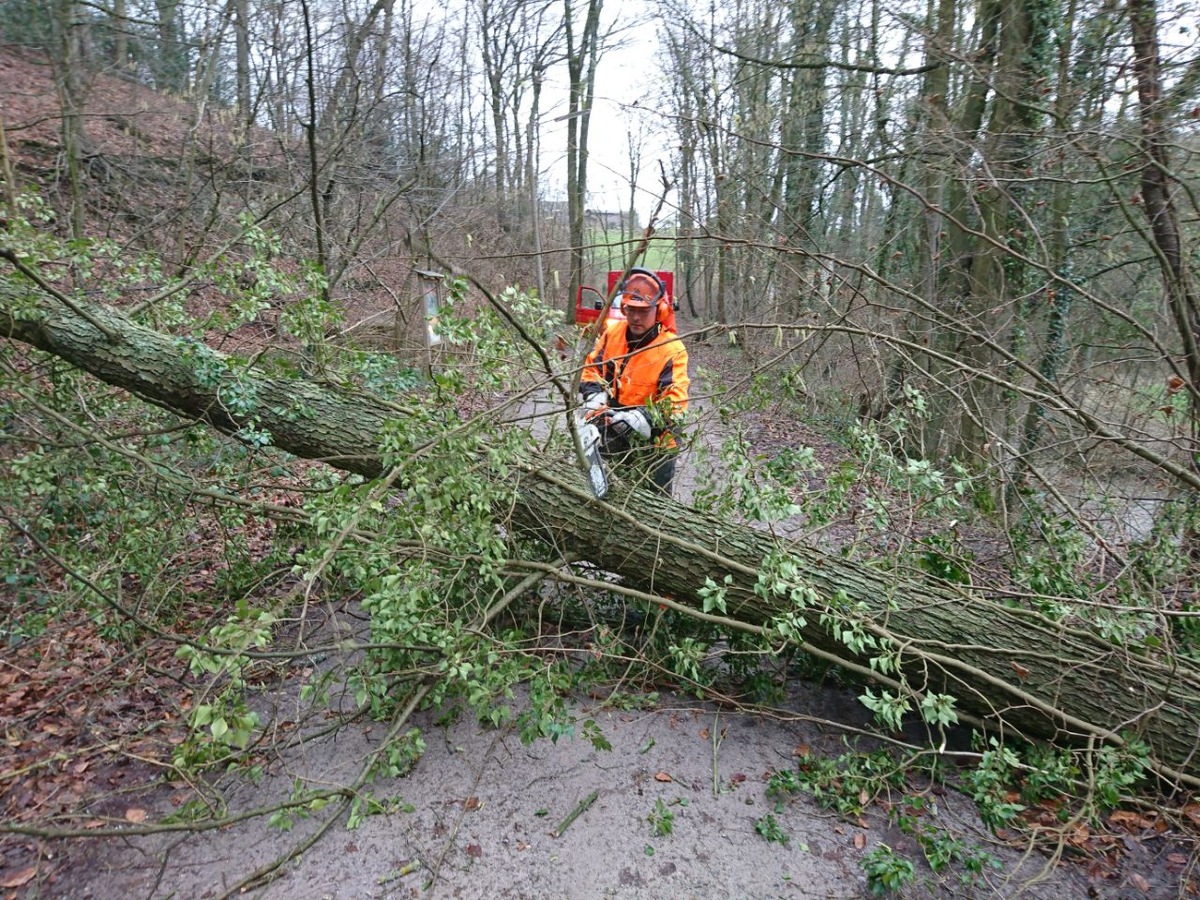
<point x="1008" y="666"/>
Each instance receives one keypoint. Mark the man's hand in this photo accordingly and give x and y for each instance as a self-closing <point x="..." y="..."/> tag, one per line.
<point x="633" y="420"/>
<point x="595" y="405"/>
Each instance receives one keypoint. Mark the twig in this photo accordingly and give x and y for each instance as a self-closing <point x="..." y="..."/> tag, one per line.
<point x="437" y="867"/>
<point x="272" y="871"/>
<point x="593" y="330"/>
<point x="396" y="874"/>
<point x="575" y="814"/>
<point x="123" y="829"/>
<point x="716" y="745"/>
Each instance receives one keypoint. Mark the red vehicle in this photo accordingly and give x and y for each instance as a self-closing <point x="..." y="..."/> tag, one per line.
<point x="589" y="301"/>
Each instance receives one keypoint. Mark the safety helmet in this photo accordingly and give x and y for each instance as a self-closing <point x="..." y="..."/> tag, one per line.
<point x="642" y="288"/>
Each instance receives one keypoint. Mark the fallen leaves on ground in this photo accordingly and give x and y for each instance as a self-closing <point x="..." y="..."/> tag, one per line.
<point x="19" y="878"/>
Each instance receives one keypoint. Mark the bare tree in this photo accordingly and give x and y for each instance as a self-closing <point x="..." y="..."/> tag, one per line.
<point x="242" y="74"/>
<point x="582" y="57"/>
<point x="519" y="43"/>
<point x="69" y="24"/>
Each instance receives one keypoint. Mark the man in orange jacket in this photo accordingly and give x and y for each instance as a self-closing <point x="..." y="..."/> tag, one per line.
<point x="635" y="381"/>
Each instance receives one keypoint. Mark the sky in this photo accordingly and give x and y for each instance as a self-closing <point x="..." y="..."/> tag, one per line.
<point x="627" y="74"/>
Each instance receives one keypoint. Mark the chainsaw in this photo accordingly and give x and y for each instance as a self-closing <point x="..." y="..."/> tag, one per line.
<point x="589" y="442"/>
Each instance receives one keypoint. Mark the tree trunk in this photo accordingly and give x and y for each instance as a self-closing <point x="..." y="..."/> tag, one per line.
<point x="68" y="64"/>
<point x="120" y="35"/>
<point x="1008" y="666"/>
<point x="171" y="67"/>
<point x="581" y="73"/>
<point x="241" y="30"/>
<point x="1158" y="196"/>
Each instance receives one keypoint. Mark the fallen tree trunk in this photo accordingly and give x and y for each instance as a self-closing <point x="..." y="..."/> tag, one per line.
<point x="1011" y="667"/>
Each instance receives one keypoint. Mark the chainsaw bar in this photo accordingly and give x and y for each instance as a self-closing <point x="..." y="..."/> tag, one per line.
<point x="589" y="437"/>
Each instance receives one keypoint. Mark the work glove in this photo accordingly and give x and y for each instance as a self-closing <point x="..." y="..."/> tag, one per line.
<point x="626" y="421"/>
<point x="594" y="404"/>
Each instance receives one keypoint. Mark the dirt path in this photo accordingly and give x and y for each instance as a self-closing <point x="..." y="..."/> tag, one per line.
<point x="484" y="816"/>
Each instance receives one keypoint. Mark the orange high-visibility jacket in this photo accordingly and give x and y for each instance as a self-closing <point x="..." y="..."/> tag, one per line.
<point x="657" y="372"/>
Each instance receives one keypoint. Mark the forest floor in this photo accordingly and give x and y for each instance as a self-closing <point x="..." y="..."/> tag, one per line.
<point x="678" y="807"/>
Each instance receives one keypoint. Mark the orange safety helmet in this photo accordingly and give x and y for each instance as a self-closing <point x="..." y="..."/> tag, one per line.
<point x="642" y="288"/>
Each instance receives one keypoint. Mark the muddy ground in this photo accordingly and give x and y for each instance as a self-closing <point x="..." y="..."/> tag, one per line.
<point x="484" y="816"/>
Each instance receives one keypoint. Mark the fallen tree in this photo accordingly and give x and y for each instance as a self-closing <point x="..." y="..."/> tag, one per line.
<point x="1011" y="668"/>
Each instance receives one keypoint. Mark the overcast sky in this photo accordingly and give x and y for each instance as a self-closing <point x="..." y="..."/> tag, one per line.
<point x="628" y="73"/>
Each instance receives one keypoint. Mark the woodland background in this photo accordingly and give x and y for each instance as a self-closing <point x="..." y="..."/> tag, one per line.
<point x="937" y="262"/>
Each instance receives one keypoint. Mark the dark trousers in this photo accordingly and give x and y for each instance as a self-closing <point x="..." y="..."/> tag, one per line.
<point x="642" y="464"/>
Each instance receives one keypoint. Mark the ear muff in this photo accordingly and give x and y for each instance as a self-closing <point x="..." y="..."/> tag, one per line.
<point x="661" y="303"/>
